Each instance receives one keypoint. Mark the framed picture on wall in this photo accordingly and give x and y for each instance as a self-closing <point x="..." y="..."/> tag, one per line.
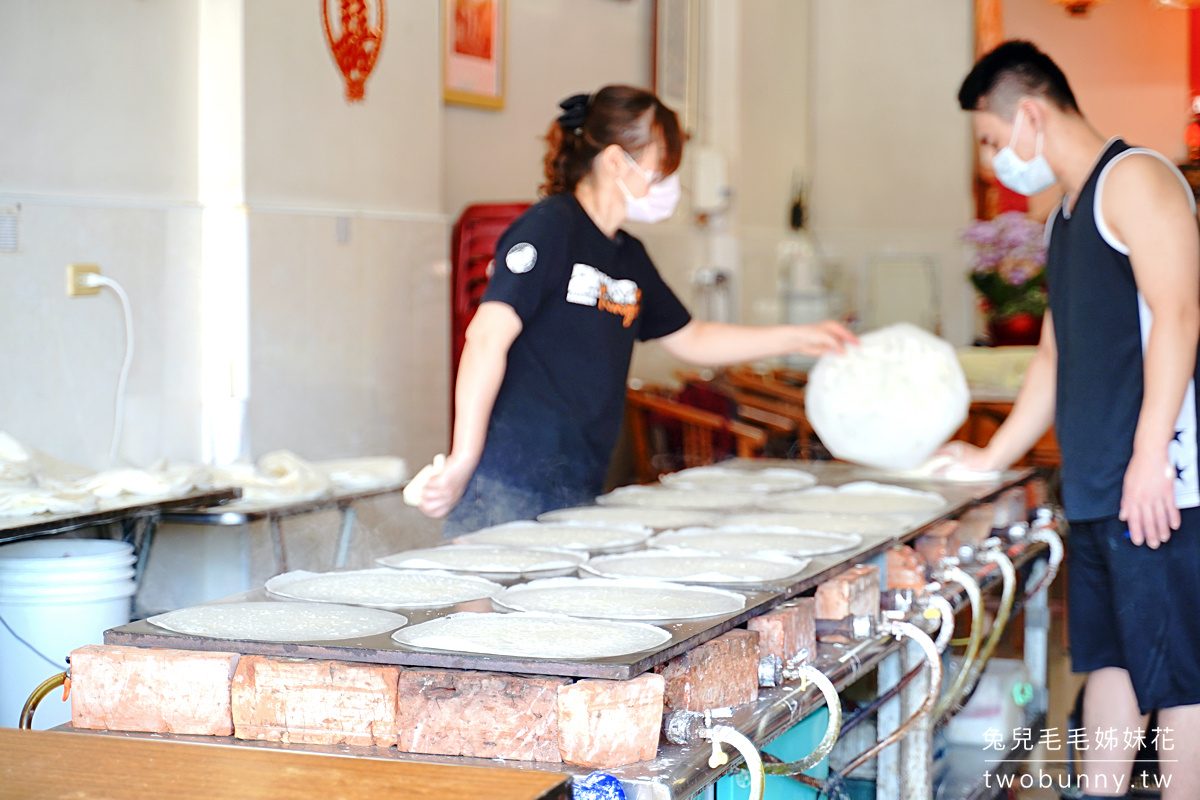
<point x="473" y="52"/>
<point x="677" y="58"/>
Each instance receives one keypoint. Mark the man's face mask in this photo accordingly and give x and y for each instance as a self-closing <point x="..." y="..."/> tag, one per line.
<point x="1023" y="177"/>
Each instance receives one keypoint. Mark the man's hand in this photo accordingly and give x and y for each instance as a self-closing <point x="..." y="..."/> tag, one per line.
<point x="1148" y="499"/>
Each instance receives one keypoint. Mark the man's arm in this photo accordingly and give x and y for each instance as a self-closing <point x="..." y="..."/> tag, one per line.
<point x="1031" y="416"/>
<point x="1145" y="206"/>
<point x="717" y="343"/>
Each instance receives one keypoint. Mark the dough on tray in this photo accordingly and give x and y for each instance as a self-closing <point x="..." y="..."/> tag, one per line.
<point x="824" y="521"/>
<point x="382" y="587"/>
<point x="530" y="635"/>
<point x="568" y="536"/>
<point x="659" y="519"/>
<point x="603" y="598"/>
<point x="685" y="566"/>
<point x="693" y="499"/>
<point x="769" y="479"/>
<point x="889" y="402"/>
<point x="861" y="497"/>
<point x="485" y="559"/>
<point x="279" y="621"/>
<point x="745" y="541"/>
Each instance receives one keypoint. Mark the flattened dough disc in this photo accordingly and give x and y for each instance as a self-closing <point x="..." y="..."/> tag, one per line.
<point x="659" y="519"/>
<point x="602" y="598"/>
<point x="737" y="542"/>
<point x="382" y="587"/>
<point x="770" y="479"/>
<point x="487" y="560"/>
<point x="567" y="536"/>
<point x="682" y="566"/>
<point x="689" y="499"/>
<point x="863" y="524"/>
<point x="279" y="622"/>
<point x="530" y="635"/>
<point x="862" y="497"/>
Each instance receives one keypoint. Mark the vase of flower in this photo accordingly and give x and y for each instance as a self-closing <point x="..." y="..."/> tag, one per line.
<point x="1008" y="269"/>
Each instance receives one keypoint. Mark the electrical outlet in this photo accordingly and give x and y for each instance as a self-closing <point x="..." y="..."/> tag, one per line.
<point x="76" y="277"/>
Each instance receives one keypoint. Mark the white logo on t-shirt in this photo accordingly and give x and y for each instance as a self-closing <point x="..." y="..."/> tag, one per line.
<point x="521" y="258"/>
<point x="591" y="287"/>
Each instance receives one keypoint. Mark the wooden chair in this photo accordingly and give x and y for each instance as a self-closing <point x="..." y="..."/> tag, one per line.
<point x="699" y="430"/>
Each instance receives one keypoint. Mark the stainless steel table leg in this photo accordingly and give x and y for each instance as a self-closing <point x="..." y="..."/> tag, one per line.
<point x="887" y="765"/>
<point x="276" y="527"/>
<point x="1037" y="635"/>
<point x="916" y="748"/>
<point x="343" y="547"/>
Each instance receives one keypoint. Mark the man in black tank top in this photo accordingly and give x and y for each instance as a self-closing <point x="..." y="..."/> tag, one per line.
<point x="1116" y="373"/>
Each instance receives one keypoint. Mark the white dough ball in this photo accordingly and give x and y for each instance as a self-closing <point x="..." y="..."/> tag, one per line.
<point x="889" y="402"/>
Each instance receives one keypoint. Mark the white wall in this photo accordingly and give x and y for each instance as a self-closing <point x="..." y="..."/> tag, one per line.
<point x="557" y="48"/>
<point x="1127" y="64"/>
<point x="891" y="150"/>
<point x="98" y="148"/>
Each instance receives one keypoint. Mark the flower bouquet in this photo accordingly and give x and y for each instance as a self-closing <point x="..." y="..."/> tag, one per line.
<point x="1009" y="272"/>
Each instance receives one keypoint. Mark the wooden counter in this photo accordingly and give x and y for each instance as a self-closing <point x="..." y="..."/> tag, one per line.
<point x="56" y="764"/>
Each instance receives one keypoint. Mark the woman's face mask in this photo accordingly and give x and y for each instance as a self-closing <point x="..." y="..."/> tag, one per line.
<point x="1023" y="177"/>
<point x="659" y="201"/>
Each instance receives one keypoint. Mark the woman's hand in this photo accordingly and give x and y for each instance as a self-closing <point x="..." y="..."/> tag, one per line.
<point x="969" y="457"/>
<point x="824" y="337"/>
<point x="1148" y="499"/>
<point x="446" y="488"/>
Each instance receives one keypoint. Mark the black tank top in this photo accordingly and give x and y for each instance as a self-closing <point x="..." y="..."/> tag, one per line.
<point x="1101" y="324"/>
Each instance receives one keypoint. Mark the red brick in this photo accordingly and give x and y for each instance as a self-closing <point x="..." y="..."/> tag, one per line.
<point x="155" y="690"/>
<point x="806" y="639"/>
<point x="976" y="524"/>
<point x="314" y="702"/>
<point x="604" y="724"/>
<point x="905" y="569"/>
<point x="720" y="672"/>
<point x="939" y="542"/>
<point x="786" y="630"/>
<point x="478" y="714"/>
<point x="853" y="593"/>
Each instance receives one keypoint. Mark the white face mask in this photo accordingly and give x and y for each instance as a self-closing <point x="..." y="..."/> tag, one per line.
<point x="1023" y="177"/>
<point x="660" y="200"/>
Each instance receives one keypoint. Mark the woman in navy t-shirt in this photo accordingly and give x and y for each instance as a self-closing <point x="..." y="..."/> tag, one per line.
<point x="541" y="383"/>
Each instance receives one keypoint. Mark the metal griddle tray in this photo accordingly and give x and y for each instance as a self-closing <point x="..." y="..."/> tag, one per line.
<point x="381" y="649"/>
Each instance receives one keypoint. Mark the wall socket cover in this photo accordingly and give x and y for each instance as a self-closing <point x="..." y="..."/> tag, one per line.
<point x="75" y="279"/>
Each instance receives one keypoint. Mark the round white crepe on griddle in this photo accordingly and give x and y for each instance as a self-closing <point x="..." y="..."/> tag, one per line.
<point x="487" y="560"/>
<point x="748" y="541"/>
<point x="566" y="536"/>
<point x="603" y="598"/>
<point x="530" y="635"/>
<point x="862" y="497"/>
<point x="890" y="401"/>
<point x="382" y="587"/>
<point x="716" y="478"/>
<point x="688" y="499"/>
<point x="683" y="566"/>
<point x="279" y="622"/>
<point x="659" y="519"/>
<point x="862" y="524"/>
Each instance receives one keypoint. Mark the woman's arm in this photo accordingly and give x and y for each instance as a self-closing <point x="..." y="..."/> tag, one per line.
<point x="480" y="373"/>
<point x="717" y="343"/>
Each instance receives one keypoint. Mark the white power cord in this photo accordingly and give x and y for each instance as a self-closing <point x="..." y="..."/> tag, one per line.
<point x="1045" y="529"/>
<point x="95" y="280"/>
<point x="946" y="631"/>
<point x="832" y="728"/>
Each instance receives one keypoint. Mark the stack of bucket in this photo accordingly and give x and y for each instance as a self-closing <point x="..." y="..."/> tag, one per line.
<point x="56" y="595"/>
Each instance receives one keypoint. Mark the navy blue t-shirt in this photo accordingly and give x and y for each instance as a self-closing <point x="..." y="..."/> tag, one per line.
<point x="583" y="300"/>
<point x="1101" y="327"/>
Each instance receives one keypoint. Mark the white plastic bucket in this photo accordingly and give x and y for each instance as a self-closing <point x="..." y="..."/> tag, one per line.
<point x="56" y="595"/>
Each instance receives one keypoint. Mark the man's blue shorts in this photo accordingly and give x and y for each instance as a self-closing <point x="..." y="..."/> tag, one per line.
<point x="1136" y="608"/>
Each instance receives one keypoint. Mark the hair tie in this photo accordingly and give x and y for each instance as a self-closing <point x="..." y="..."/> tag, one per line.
<point x="574" y="113"/>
